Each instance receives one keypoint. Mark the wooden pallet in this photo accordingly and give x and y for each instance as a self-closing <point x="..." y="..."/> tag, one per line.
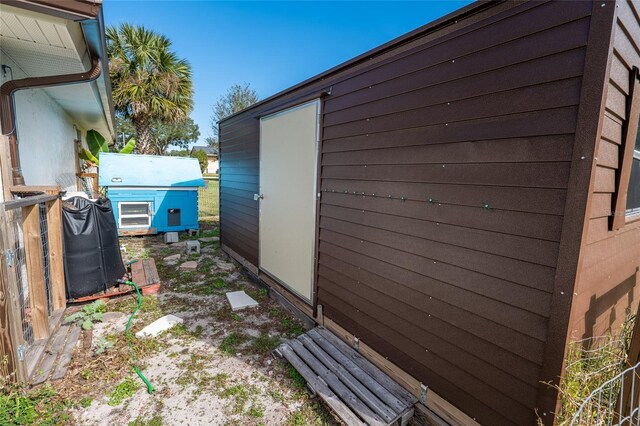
<point x="57" y="355"/>
<point x="355" y="389"/>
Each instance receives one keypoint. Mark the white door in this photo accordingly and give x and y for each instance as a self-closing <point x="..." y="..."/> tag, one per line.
<point x="288" y="159"/>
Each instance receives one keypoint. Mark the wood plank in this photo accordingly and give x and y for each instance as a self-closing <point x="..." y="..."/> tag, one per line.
<point x="10" y="333"/>
<point x="67" y="353"/>
<point x="138" y="273"/>
<point x="357" y="372"/>
<point x="127" y="233"/>
<point x="336" y="385"/>
<point x="52" y="352"/>
<point x="367" y="367"/>
<point x="35" y="271"/>
<point x="6" y="179"/>
<point x="56" y="253"/>
<point x="330" y="398"/>
<point x="362" y="392"/>
<point x="150" y="272"/>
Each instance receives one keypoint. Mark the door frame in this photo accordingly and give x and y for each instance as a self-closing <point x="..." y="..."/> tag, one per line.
<point x="312" y="301"/>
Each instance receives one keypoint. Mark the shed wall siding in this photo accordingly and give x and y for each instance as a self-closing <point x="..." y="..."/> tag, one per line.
<point x="470" y="130"/>
<point x="608" y="285"/>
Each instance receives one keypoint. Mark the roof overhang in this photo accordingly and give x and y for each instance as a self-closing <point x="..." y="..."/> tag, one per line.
<point x="51" y="38"/>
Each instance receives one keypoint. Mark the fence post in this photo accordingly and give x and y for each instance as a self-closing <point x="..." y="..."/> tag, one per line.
<point x="56" y="264"/>
<point x="35" y="271"/>
<point x="11" y="337"/>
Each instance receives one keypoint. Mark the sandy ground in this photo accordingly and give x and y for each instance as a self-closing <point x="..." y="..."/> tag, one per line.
<point x="214" y="369"/>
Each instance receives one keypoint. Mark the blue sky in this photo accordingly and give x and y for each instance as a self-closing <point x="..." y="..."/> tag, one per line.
<point x="271" y="45"/>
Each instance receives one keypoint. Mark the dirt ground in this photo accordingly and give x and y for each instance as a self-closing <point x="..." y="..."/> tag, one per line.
<point x="214" y="369"/>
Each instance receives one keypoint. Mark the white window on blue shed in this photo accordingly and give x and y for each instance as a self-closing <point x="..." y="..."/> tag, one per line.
<point x="134" y="214"/>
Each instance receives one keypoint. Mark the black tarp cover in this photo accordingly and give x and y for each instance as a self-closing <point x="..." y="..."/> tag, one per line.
<point x="92" y="261"/>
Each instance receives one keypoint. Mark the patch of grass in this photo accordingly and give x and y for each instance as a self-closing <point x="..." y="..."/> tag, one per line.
<point x="122" y="391"/>
<point x="231" y="342"/>
<point x="235" y="316"/>
<point x="194" y="372"/>
<point x="311" y="414"/>
<point x="256" y="410"/>
<point x="219" y="283"/>
<point x="296" y="378"/>
<point x="240" y="394"/>
<point x="265" y="343"/>
<point x="288" y="325"/>
<point x="86" y="402"/>
<point x="153" y="421"/>
<point x="41" y="406"/>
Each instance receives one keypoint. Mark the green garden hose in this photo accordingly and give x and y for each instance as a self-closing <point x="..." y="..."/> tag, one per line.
<point x="150" y="387"/>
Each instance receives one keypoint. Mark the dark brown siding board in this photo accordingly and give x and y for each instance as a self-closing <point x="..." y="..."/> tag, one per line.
<point x="509" y="246"/>
<point x="620" y="74"/>
<point x="523" y="322"/>
<point x="530" y="175"/>
<point x="441" y="357"/>
<point x="544" y="227"/>
<point x="404" y="352"/>
<point x="536" y="149"/>
<point x="539" y="123"/>
<point x="517" y="366"/>
<point x="612" y="129"/>
<point x="512" y="28"/>
<point x="562" y="66"/>
<point x="485" y="339"/>
<point x="532" y="200"/>
<point x="589" y="127"/>
<point x="422" y="109"/>
<point x="439" y="278"/>
<point x="480" y="68"/>
<point x="608" y="154"/>
<point x="523" y="273"/>
<point x="242" y="220"/>
<point x="616" y="102"/>
<point x="560" y="94"/>
<point x="239" y="155"/>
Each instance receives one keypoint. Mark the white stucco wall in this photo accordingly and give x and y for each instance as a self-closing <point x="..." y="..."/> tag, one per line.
<point x="46" y="137"/>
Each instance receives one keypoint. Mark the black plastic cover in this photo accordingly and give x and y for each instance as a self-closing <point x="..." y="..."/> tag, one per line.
<point x="92" y="260"/>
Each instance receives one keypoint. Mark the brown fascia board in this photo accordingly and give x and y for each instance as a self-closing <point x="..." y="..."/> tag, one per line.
<point x="68" y="9"/>
<point x="451" y="18"/>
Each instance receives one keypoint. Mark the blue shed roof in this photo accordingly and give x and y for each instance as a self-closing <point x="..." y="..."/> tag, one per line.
<point x="148" y="170"/>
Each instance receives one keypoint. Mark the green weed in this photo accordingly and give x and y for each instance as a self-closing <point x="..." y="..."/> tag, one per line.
<point x="230" y="343"/>
<point x="122" y="391"/>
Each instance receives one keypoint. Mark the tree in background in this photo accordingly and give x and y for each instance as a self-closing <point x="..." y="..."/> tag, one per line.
<point x="162" y="135"/>
<point x="202" y="159"/>
<point x="237" y="98"/>
<point x="149" y="82"/>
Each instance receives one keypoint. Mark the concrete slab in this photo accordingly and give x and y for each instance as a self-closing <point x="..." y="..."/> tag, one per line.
<point x="209" y="239"/>
<point x="172" y="260"/>
<point x="240" y="300"/>
<point x="159" y="325"/>
<point x="191" y="265"/>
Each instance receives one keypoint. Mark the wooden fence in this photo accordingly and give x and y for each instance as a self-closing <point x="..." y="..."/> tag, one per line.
<point x="32" y="291"/>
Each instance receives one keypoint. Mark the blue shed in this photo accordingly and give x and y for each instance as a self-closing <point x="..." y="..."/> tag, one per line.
<point x="151" y="193"/>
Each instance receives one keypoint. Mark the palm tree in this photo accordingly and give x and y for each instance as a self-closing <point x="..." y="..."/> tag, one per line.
<point x="148" y="80"/>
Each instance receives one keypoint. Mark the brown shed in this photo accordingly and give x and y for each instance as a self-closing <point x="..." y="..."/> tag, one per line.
<point x="461" y="199"/>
